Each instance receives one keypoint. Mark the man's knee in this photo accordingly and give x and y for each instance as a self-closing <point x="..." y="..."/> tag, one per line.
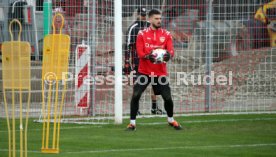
<point x="136" y="95"/>
<point x="167" y="96"/>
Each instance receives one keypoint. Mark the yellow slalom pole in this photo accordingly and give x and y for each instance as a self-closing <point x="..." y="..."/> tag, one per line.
<point x="44" y="116"/>
<point x="16" y="78"/>
<point x="49" y="103"/>
<point x="8" y="121"/>
<point x="27" y="120"/>
<point x="55" y="61"/>
<point x="55" y="116"/>
<point x="56" y="139"/>
<point x="21" y="124"/>
<point x="48" y="115"/>
<point x="60" y="112"/>
<point x="13" y="125"/>
<point x="13" y="104"/>
<point x="20" y="108"/>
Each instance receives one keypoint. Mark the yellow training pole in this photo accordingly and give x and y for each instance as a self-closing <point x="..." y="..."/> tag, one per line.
<point x="55" y="116"/>
<point x="55" y="62"/>
<point x="16" y="78"/>
<point x="55" y="139"/>
<point x="60" y="112"/>
<point x="13" y="125"/>
<point x="8" y="122"/>
<point x="44" y="115"/>
<point x="48" y="115"/>
<point x="13" y="105"/>
<point x="27" y="121"/>
<point x="20" y="109"/>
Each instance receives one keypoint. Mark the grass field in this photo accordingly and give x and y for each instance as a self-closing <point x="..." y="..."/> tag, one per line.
<point x="207" y="136"/>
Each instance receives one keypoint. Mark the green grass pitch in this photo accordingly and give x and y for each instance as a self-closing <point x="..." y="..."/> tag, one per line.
<point x="252" y="135"/>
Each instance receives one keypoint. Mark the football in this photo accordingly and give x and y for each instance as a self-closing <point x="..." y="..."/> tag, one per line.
<point x="159" y="55"/>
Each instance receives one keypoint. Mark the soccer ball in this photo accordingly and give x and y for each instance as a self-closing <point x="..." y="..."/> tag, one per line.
<point x="159" y="55"/>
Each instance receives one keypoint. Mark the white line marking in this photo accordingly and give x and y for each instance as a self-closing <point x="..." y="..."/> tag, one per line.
<point x="64" y="128"/>
<point x="169" y="148"/>
<point x="161" y="123"/>
<point x="213" y="121"/>
<point x="161" y="148"/>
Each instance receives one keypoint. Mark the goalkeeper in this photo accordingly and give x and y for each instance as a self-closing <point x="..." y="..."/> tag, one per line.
<point x="149" y="39"/>
<point x="132" y="64"/>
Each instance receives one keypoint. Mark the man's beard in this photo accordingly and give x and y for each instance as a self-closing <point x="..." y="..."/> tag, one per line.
<point x="155" y="26"/>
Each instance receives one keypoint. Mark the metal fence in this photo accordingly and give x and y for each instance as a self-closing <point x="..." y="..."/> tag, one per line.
<point x="219" y="37"/>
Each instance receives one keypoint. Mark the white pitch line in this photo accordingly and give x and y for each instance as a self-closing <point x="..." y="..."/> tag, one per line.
<point x="170" y="148"/>
<point x="213" y="121"/>
<point x="161" y="148"/>
<point x="161" y="123"/>
<point x="65" y="128"/>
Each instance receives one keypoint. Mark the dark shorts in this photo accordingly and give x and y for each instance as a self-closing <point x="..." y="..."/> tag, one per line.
<point x="158" y="83"/>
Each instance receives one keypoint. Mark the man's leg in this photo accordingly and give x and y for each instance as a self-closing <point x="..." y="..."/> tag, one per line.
<point x="165" y="91"/>
<point x="139" y="87"/>
<point x="166" y="95"/>
<point x="153" y="100"/>
<point x="154" y="106"/>
<point x="135" y="68"/>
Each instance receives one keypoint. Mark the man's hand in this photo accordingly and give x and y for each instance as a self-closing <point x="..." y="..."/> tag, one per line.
<point x="167" y="57"/>
<point x="127" y="68"/>
<point x="150" y="57"/>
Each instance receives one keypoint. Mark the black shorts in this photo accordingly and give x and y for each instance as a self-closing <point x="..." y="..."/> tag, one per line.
<point x="158" y="83"/>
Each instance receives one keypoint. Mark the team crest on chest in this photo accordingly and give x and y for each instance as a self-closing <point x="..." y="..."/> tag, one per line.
<point x="162" y="39"/>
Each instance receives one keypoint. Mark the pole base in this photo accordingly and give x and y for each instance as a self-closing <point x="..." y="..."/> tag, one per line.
<point x="50" y="150"/>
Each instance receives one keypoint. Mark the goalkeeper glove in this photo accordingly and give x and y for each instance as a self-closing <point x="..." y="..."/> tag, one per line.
<point x="150" y="57"/>
<point x="167" y="57"/>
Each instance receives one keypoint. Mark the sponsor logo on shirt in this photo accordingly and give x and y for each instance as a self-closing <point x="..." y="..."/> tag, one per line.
<point x="153" y="46"/>
<point x="162" y="39"/>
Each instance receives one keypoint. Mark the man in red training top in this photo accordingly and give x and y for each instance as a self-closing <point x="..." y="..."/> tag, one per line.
<point x="151" y="38"/>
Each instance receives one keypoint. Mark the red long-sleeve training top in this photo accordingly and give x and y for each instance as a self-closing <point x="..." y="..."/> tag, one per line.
<point x="148" y="40"/>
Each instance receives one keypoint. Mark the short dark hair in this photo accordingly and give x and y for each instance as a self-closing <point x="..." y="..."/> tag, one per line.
<point x="154" y="12"/>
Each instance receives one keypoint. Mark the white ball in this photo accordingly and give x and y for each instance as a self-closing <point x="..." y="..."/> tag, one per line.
<point x="159" y="55"/>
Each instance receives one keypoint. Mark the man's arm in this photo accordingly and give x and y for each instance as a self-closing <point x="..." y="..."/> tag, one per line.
<point x="130" y="40"/>
<point x="129" y="48"/>
<point x="169" y="48"/>
<point x="169" y="45"/>
<point x="140" y="45"/>
<point x="127" y="53"/>
<point x="127" y="67"/>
